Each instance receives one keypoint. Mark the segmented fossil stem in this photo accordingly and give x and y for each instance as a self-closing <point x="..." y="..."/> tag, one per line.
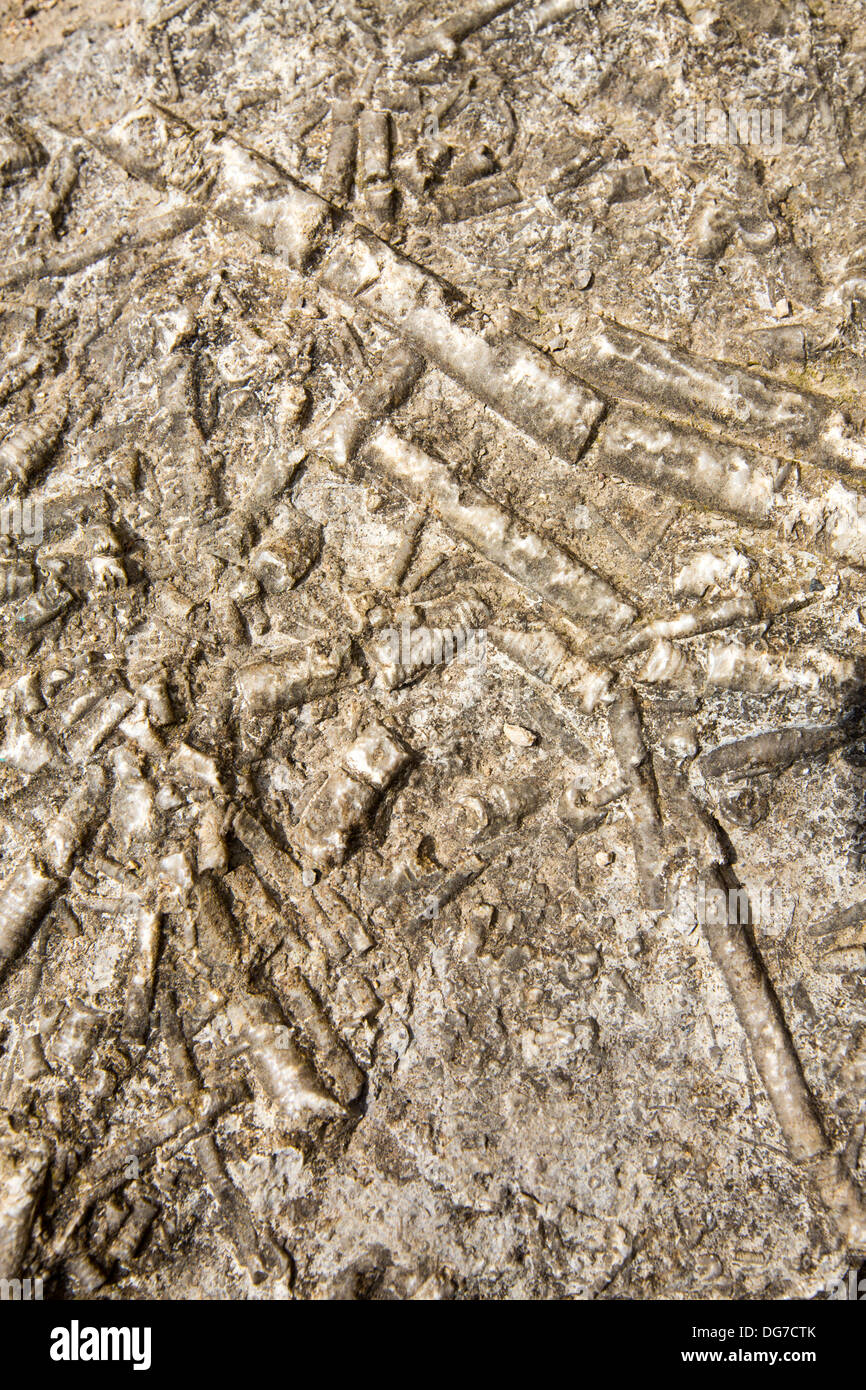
<point x="162" y="228"/>
<point x="445" y="37"/>
<point x="733" y="949"/>
<point x="623" y="717"/>
<point x="24" y="899"/>
<point x="139" y="989"/>
<point x="122" y="1158"/>
<point x="260" y="1255"/>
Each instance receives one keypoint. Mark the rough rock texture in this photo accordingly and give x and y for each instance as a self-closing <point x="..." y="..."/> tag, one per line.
<point x="431" y="648"/>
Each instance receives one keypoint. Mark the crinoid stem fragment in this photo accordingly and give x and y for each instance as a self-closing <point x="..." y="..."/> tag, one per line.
<point x="831" y="679"/>
<point x="510" y="375"/>
<point x="732" y="947"/>
<point x="689" y="466"/>
<point x="29" y="446"/>
<point x="18" y="376"/>
<point x="280" y="869"/>
<point x="60" y="180"/>
<point x="124" y="1155"/>
<point x="553" y="11"/>
<point x="775" y="749"/>
<point x="23" y="1170"/>
<point x="778" y="1066"/>
<point x="98" y="724"/>
<point x="635" y="765"/>
<point x="546" y="657"/>
<point x="445" y="37"/>
<point x="72" y="822"/>
<point x="163" y="227"/>
<point x="283" y="1071"/>
<point x="340" y="164"/>
<point x="705" y="618"/>
<point x="540" y="565"/>
<point x="259" y="1254"/>
<point x="24" y="899"/>
<point x="393" y="377"/>
<point x="639" y="368"/>
<point x="139" y="989"/>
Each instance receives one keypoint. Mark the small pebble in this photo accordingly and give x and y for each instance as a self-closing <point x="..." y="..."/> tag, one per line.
<point x="167" y="798"/>
<point x="680" y="740"/>
<point x="520" y="737"/>
<point x="757" y="234"/>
